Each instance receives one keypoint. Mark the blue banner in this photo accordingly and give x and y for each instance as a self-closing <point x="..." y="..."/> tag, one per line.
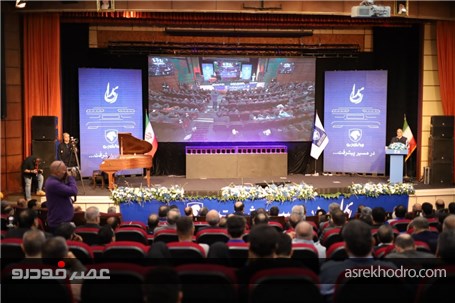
<point x="355" y="107"/>
<point x="110" y="101"/>
<point x="140" y="212"/>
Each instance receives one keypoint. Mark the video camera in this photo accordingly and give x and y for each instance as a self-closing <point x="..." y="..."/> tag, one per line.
<point x="73" y="142"/>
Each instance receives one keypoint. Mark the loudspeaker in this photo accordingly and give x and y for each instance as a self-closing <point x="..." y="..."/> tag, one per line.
<point x="441" y="131"/>
<point x="442" y="121"/>
<point x="46" y="150"/>
<point x="440" y="150"/>
<point x="441" y="172"/>
<point x="44" y="128"/>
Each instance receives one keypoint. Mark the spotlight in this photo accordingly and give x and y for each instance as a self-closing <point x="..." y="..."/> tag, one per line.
<point x="20" y="4"/>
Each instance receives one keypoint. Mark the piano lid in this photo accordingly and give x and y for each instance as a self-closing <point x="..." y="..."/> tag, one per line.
<point x="132" y="145"/>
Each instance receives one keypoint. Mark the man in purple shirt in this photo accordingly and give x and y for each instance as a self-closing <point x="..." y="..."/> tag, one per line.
<point x="60" y="187"/>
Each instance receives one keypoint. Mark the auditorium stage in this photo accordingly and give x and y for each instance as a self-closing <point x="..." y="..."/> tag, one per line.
<point x="210" y="187"/>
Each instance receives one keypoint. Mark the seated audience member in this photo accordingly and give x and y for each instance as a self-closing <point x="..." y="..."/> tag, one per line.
<point x="92" y="217"/>
<point x="33" y="204"/>
<point x="274" y="211"/>
<point x="113" y="222"/>
<point x="284" y="246"/>
<point x="427" y="210"/>
<point x="366" y="215"/>
<point x="7" y="211"/>
<point x="203" y="212"/>
<point x="405" y="248"/>
<point x="446" y="246"/>
<point x="337" y="220"/>
<point x="223" y="222"/>
<point x="162" y="284"/>
<point x="238" y="208"/>
<point x="385" y="235"/>
<point x="56" y="249"/>
<point x="235" y="228"/>
<point x="379" y="216"/>
<point x="359" y="243"/>
<point x="440" y="205"/>
<point x="304" y="234"/>
<point x="297" y="215"/>
<point x="21" y="202"/>
<point x="359" y="211"/>
<point x="212" y="218"/>
<point x="421" y="232"/>
<point x="112" y="210"/>
<point x="188" y="211"/>
<point x="162" y="212"/>
<point x="399" y="213"/>
<point x="66" y="230"/>
<point x="449" y="223"/>
<point x="451" y="208"/>
<point x="172" y="217"/>
<point x="152" y="223"/>
<point x="260" y="218"/>
<point x="185" y="232"/>
<point x="77" y="208"/>
<point x="332" y="207"/>
<point x="416" y="211"/>
<point x="32" y="243"/>
<point x="106" y="235"/>
<point x="26" y="221"/>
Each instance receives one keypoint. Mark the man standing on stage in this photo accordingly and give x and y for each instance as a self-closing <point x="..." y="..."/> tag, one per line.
<point x="31" y="170"/>
<point x="66" y="150"/>
<point x="60" y="189"/>
<point x="399" y="138"/>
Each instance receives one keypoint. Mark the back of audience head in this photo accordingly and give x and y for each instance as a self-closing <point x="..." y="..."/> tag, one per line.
<point x="185" y="228"/>
<point x="379" y="215"/>
<point x="404" y="242"/>
<point x="385" y="234"/>
<point x="263" y="241"/>
<point x="284" y="246"/>
<point x="105" y="235"/>
<point x="427" y="209"/>
<point x="21" y="202"/>
<point x="113" y="222"/>
<point x="304" y="230"/>
<point x="188" y="211"/>
<point x="32" y="243"/>
<point x="162" y="211"/>
<point x="439" y="204"/>
<point x="239" y="206"/>
<point x="112" y="210"/>
<point x="451" y="208"/>
<point x="213" y="218"/>
<point x="358" y="239"/>
<point x="32" y="204"/>
<point x="153" y="221"/>
<point x="235" y="226"/>
<point x="274" y="211"/>
<point x="65" y="230"/>
<point x="223" y="222"/>
<point x="449" y="223"/>
<point x="333" y="206"/>
<point x="27" y="218"/>
<point x="203" y="212"/>
<point x="162" y="284"/>
<point x="446" y="246"/>
<point x="400" y="211"/>
<point x="338" y="217"/>
<point x="92" y="215"/>
<point x="419" y="224"/>
<point x="54" y="248"/>
<point x="261" y="218"/>
<point x="172" y="216"/>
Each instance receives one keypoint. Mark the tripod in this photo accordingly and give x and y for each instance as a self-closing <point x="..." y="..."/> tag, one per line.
<point x="77" y="167"/>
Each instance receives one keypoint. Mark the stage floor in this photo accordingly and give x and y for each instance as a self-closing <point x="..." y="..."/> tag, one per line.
<point x="322" y="184"/>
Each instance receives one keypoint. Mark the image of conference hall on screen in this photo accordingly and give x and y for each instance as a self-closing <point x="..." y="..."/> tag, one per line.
<point x="231" y="99"/>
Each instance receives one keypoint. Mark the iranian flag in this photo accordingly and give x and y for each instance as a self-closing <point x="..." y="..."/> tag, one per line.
<point x="149" y="135"/>
<point x="411" y="141"/>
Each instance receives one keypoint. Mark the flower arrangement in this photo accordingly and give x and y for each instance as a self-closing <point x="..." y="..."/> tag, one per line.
<point x="140" y="194"/>
<point x="398" y="146"/>
<point x="374" y="190"/>
<point x="272" y="192"/>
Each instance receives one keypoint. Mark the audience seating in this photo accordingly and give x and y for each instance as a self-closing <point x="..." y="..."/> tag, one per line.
<point x="135" y="234"/>
<point x="82" y="251"/>
<point x="212" y="235"/>
<point x="272" y="285"/>
<point x="89" y="234"/>
<point x="134" y="224"/>
<point x="125" y="251"/>
<point x="124" y="285"/>
<point x="401" y="225"/>
<point x="238" y="253"/>
<point x="208" y="283"/>
<point x="185" y="250"/>
<point x="11" y="251"/>
<point x="437" y="289"/>
<point x="371" y="289"/>
<point x="79" y="218"/>
<point x="337" y="251"/>
<point x="105" y="216"/>
<point x="422" y="246"/>
<point x="277" y="225"/>
<point x="332" y="236"/>
<point x="166" y="236"/>
<point x="383" y="251"/>
<point x="198" y="225"/>
<point x="278" y="219"/>
<point x="307" y="254"/>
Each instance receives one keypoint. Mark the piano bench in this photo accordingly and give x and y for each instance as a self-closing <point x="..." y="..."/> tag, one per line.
<point x="97" y="175"/>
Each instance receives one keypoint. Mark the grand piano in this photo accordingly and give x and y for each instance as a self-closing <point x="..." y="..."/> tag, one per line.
<point x="134" y="153"/>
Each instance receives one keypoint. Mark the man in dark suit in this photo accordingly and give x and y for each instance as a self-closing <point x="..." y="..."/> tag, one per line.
<point x="421" y="232"/>
<point x="399" y="138"/>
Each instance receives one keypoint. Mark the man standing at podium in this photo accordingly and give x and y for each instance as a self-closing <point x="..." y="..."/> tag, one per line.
<point x="399" y="138"/>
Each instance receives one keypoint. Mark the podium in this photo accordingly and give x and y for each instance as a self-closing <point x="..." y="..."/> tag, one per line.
<point x="396" y="164"/>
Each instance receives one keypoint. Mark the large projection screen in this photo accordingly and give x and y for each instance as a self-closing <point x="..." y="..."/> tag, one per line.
<point x="355" y="106"/>
<point x="110" y="102"/>
<point x="231" y="99"/>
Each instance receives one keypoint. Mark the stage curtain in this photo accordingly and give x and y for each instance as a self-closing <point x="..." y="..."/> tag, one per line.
<point x="42" y="92"/>
<point x="445" y="39"/>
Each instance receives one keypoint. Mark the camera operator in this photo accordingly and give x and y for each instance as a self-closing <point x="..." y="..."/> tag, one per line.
<point x="67" y="149"/>
<point x="61" y="192"/>
<point x="31" y="169"/>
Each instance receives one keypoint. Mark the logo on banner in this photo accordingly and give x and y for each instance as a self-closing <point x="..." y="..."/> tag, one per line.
<point x="195" y="206"/>
<point x="110" y="96"/>
<point x="111" y="135"/>
<point x="356" y="96"/>
<point x="355" y="134"/>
